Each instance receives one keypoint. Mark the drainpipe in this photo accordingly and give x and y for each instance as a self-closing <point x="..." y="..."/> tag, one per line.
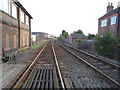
<point x="29" y="31"/>
<point x="118" y="41"/>
<point x="18" y="13"/>
<point x="118" y="32"/>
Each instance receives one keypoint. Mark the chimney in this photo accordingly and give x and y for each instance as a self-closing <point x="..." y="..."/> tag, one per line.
<point x="118" y="4"/>
<point x="109" y="7"/>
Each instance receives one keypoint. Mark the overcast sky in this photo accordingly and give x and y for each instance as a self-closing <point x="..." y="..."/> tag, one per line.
<point x="53" y="16"/>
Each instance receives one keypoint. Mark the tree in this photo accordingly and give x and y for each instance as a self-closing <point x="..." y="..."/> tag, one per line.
<point x="105" y="45"/>
<point x="65" y="34"/>
<point x="60" y="37"/>
<point x="78" y="31"/>
<point x="91" y="36"/>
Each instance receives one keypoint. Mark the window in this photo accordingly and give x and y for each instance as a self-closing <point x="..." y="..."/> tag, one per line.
<point x="27" y="20"/>
<point x="5" y="6"/>
<point x="104" y="23"/>
<point x="22" y="17"/>
<point x="14" y="11"/>
<point x="113" y="20"/>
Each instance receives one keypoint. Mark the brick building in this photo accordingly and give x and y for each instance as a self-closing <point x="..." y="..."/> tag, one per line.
<point x="75" y="36"/>
<point x="40" y="36"/>
<point x="15" y="24"/>
<point x="109" y="21"/>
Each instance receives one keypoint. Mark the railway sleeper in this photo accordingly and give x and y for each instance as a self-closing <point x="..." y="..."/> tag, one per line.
<point x="42" y="77"/>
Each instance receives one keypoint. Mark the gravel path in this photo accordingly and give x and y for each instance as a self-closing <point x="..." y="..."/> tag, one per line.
<point x="74" y="70"/>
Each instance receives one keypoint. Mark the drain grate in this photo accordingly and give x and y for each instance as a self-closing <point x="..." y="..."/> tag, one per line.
<point x="72" y="82"/>
<point x="43" y="77"/>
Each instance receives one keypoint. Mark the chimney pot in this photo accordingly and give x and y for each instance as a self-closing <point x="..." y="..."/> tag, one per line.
<point x="109" y="7"/>
<point x="111" y="4"/>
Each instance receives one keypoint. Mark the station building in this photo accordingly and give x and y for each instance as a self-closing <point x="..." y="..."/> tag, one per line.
<point x="110" y="21"/>
<point x="15" y="26"/>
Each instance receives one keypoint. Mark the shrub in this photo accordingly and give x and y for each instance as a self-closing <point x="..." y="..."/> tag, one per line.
<point x="79" y="42"/>
<point x="105" y="45"/>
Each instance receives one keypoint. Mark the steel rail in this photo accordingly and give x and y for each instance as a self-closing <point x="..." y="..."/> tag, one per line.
<point x="93" y="56"/>
<point x="19" y="83"/>
<point x="90" y="65"/>
<point x="58" y="68"/>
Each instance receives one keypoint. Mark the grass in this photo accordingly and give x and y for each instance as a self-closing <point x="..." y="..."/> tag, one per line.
<point x="36" y="46"/>
<point x="22" y="50"/>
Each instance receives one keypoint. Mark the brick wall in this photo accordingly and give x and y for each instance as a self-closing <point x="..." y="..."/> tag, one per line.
<point x="112" y="28"/>
<point x="9" y="31"/>
<point x="24" y="38"/>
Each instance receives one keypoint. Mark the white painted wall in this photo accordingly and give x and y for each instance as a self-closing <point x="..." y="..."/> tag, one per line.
<point x="33" y="38"/>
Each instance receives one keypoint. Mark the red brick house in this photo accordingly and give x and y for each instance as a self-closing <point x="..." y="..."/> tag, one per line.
<point x="15" y="25"/>
<point x="109" y="21"/>
<point x="40" y="36"/>
<point x="75" y="36"/>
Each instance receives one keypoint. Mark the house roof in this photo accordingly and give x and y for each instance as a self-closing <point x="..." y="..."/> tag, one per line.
<point x="111" y="12"/>
<point x="20" y="5"/>
<point x="38" y="33"/>
<point x="76" y="35"/>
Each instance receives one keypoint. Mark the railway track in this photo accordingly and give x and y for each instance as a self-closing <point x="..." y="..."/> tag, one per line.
<point x="44" y="72"/>
<point x="53" y="68"/>
<point x="107" y="70"/>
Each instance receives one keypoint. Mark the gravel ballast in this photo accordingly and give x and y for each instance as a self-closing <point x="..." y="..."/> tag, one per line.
<point x="76" y="71"/>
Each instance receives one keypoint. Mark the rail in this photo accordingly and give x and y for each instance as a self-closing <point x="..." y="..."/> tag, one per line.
<point x="93" y="67"/>
<point x="31" y="66"/>
<point x="58" y="68"/>
<point x="27" y="71"/>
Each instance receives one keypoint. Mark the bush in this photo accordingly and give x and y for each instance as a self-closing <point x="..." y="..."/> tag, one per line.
<point x="105" y="45"/>
<point x="79" y="42"/>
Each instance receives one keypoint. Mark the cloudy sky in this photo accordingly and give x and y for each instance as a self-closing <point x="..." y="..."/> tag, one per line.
<point x="53" y="16"/>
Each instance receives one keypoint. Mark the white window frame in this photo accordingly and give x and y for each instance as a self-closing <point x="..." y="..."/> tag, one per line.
<point x="27" y="20"/>
<point x="104" y="23"/>
<point x="6" y="6"/>
<point x="14" y="10"/>
<point x="22" y="16"/>
<point x="113" y="20"/>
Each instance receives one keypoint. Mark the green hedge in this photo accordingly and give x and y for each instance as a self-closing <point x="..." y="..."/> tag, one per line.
<point x="105" y="45"/>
